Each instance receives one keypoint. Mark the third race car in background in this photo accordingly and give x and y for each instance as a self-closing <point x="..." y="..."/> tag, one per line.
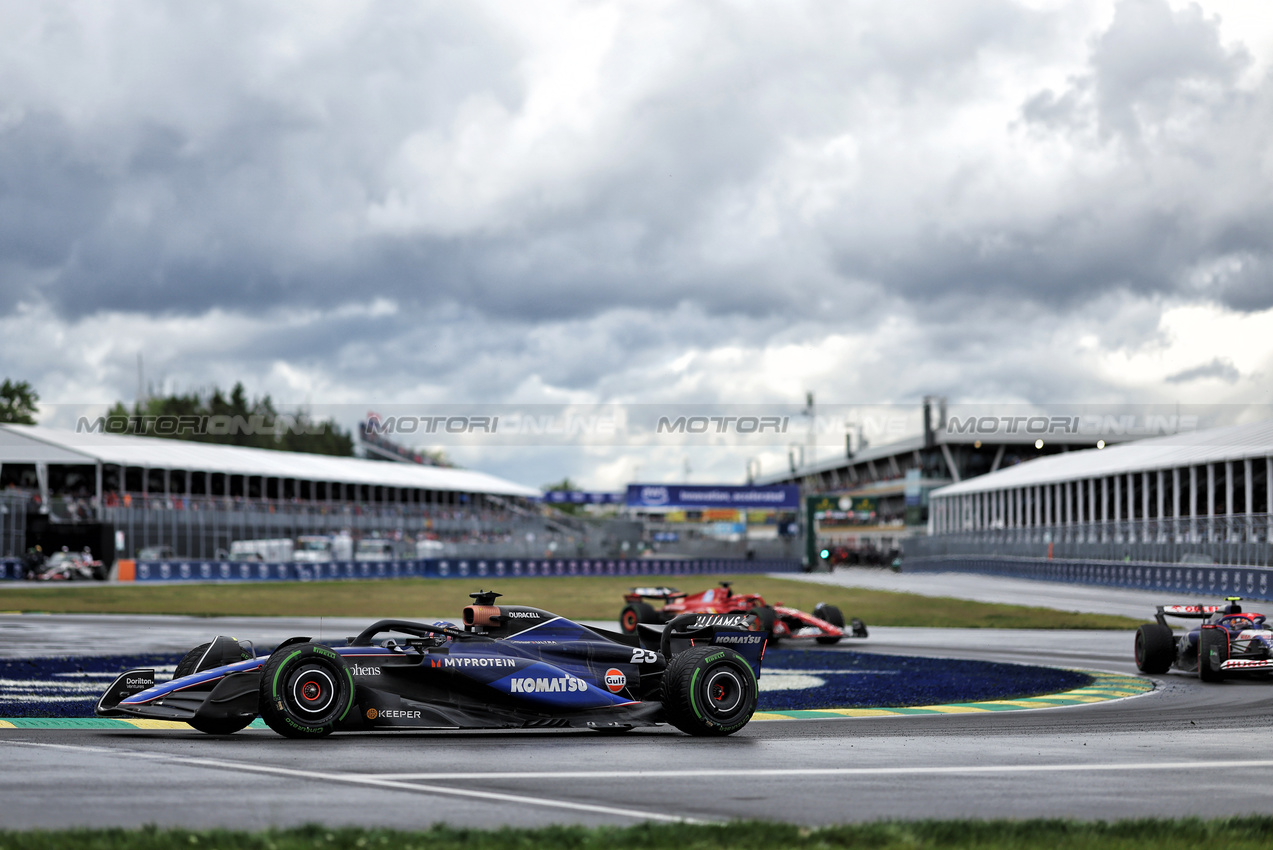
<point x="825" y="625"/>
<point x="1229" y="642"/>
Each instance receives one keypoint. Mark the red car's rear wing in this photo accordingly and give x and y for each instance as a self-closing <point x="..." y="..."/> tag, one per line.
<point x="665" y="593"/>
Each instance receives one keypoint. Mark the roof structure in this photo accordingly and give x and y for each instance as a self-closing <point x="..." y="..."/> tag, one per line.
<point x="1235" y="442"/>
<point x="38" y="444"/>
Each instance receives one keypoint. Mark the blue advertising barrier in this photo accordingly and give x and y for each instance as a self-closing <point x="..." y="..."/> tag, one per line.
<point x="1184" y="579"/>
<point x="451" y="568"/>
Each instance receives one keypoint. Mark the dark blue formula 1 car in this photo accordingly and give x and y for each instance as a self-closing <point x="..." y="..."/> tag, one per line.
<point x="1229" y="642"/>
<point x="508" y="667"/>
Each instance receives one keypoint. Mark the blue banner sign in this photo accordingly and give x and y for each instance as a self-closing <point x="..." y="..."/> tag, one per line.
<point x="784" y="497"/>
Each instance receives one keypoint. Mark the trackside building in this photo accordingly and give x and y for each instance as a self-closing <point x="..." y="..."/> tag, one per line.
<point x="1198" y="497"/>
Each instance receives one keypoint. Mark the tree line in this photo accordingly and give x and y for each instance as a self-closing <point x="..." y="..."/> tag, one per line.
<point x="254" y="423"/>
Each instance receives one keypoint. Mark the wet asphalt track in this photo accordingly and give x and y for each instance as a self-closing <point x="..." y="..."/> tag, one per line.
<point x="1183" y="749"/>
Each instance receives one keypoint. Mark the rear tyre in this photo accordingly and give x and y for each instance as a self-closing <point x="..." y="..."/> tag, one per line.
<point x="1213" y="650"/>
<point x="765" y="618"/>
<point x="1155" y="648"/>
<point x="709" y="690"/>
<point x="635" y="613"/>
<point x="832" y="615"/>
<point x="306" y="691"/>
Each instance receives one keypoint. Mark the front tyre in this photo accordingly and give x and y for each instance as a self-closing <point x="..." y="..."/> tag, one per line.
<point x="832" y="615"/>
<point x="306" y="690"/>
<point x="1213" y="650"/>
<point x="1155" y="648"/>
<point x="709" y="690"/>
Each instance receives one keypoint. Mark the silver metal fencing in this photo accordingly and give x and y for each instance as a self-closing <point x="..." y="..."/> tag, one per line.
<point x="204" y="528"/>
<point x="13" y="525"/>
<point x="1243" y="539"/>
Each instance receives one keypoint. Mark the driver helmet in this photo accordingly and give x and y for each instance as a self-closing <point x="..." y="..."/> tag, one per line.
<point x="1240" y="623"/>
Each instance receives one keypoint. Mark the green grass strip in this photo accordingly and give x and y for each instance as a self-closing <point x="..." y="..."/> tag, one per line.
<point x="1237" y="833"/>
<point x="580" y="598"/>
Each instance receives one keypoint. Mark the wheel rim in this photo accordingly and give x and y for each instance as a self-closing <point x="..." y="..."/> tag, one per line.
<point x="629" y="621"/>
<point x="724" y="691"/>
<point x="312" y="689"/>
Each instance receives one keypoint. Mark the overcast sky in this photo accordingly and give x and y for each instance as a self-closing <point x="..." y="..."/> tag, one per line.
<point x="360" y="205"/>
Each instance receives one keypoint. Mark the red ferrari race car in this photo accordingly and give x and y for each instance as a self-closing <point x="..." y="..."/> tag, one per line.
<point x="825" y="624"/>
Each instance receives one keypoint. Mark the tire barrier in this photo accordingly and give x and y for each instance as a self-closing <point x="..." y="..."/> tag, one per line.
<point x="1208" y="579"/>
<point x="146" y="571"/>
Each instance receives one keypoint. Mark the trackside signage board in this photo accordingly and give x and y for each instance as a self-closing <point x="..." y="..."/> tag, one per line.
<point x="450" y="568"/>
<point x="779" y="497"/>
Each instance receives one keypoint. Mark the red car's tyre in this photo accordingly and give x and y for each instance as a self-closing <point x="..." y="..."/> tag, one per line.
<point x="306" y="690"/>
<point x="635" y="613"/>
<point x="1155" y="648"/>
<point x="765" y="618"/>
<point x="709" y="690"/>
<point x="832" y="615"/>
<point x="1213" y="650"/>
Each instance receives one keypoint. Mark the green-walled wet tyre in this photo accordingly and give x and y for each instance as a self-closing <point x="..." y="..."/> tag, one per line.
<point x="709" y="690"/>
<point x="306" y="691"/>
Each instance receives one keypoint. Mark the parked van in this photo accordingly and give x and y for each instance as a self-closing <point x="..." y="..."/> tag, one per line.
<point x="323" y="548"/>
<point x="272" y="551"/>
<point x="376" y="549"/>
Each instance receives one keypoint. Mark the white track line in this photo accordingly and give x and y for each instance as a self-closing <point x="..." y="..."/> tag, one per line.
<point x="370" y="781"/>
<point x="839" y="771"/>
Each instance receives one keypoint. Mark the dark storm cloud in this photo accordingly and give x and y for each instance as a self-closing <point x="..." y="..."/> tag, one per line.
<point x="249" y="204"/>
<point x="430" y="197"/>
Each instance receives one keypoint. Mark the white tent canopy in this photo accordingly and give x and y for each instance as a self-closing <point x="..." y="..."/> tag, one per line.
<point x="41" y="445"/>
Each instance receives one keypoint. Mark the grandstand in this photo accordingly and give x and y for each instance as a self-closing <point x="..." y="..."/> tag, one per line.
<point x="956" y="448"/>
<point x="121" y="495"/>
<point x="1201" y="497"/>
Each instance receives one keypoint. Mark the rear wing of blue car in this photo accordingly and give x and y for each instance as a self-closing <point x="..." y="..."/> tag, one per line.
<point x="736" y="631"/>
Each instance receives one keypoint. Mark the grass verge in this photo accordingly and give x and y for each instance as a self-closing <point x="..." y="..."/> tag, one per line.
<point x="591" y="598"/>
<point x="1238" y="833"/>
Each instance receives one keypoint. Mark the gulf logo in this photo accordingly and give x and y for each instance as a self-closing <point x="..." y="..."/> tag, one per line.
<point x="615" y="680"/>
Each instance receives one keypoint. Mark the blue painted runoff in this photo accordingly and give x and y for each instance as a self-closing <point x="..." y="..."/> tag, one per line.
<point x="791" y="679"/>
